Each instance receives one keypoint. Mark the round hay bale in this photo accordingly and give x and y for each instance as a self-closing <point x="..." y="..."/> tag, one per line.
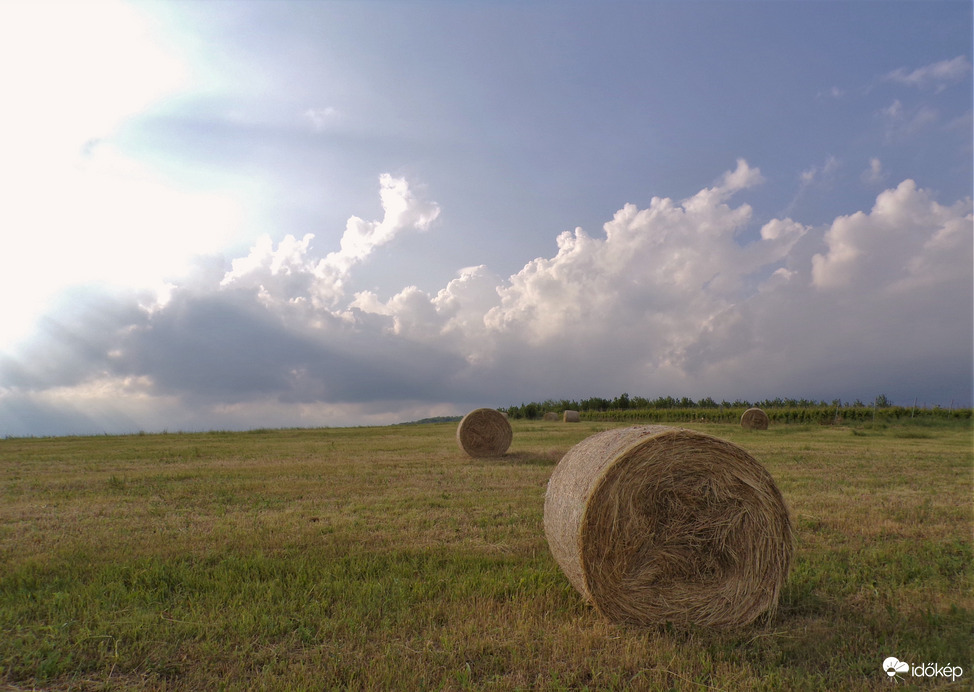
<point x="754" y="419"/>
<point x="572" y="417"/>
<point x="484" y="432"/>
<point x="654" y="524"/>
<point x="551" y="415"/>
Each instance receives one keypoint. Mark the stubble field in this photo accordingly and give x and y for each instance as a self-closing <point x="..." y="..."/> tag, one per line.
<point x="385" y="558"/>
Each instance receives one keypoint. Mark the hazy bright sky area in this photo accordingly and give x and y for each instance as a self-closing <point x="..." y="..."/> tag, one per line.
<point x="230" y="215"/>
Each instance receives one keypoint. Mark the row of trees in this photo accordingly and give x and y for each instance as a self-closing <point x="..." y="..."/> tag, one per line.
<point x="625" y="407"/>
<point x="822" y="415"/>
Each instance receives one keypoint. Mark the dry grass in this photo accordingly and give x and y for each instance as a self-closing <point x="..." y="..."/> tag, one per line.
<point x="385" y="558"/>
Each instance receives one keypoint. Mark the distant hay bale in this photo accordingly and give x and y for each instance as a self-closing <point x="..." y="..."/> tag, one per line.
<point x="572" y="417"/>
<point x="484" y="432"/>
<point x="551" y="415"/>
<point x="754" y="419"/>
<point x="654" y="524"/>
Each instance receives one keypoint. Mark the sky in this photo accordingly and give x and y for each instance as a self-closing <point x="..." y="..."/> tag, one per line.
<point x="231" y="215"/>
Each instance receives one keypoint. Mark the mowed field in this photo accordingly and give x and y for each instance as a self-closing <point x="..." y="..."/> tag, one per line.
<point x="384" y="558"/>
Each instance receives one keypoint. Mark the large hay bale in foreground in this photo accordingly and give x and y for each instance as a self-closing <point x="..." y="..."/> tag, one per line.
<point x="551" y="415"/>
<point x="754" y="419"/>
<point x="572" y="417"/>
<point x="654" y="524"/>
<point x="484" y="432"/>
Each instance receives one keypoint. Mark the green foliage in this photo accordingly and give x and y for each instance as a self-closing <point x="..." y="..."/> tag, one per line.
<point x="667" y="409"/>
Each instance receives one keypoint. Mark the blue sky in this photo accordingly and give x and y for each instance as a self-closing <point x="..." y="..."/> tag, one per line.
<point x="229" y="215"/>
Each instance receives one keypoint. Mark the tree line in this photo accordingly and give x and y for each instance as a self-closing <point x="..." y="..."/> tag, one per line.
<point x="626" y="407"/>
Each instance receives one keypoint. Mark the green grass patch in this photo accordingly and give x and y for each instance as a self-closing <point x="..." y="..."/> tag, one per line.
<point x="384" y="558"/>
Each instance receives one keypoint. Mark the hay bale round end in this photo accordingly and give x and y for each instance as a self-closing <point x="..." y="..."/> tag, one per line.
<point x="654" y="524"/>
<point x="754" y="419"/>
<point x="484" y="432"/>
<point x="572" y="417"/>
<point x="550" y="416"/>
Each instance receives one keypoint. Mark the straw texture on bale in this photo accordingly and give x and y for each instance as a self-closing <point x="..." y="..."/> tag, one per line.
<point x="484" y="432"/>
<point x="655" y="524"/>
<point x="551" y="415"/>
<point x="754" y="419"/>
<point x="572" y="417"/>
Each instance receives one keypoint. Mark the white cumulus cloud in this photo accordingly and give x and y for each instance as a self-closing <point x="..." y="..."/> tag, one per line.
<point x="669" y="298"/>
<point x="290" y="273"/>
<point x="893" y="241"/>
